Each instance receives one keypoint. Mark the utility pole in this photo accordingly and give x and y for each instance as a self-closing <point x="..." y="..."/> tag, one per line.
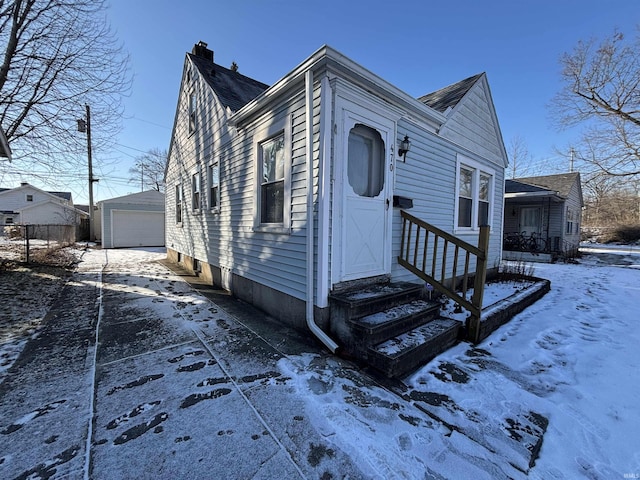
<point x="84" y="126"/>
<point x="572" y="153"/>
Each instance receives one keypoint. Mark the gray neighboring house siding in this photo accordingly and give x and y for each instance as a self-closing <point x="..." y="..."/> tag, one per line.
<point x="268" y="268"/>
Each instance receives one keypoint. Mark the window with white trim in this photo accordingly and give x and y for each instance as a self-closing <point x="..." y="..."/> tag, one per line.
<point x="365" y="161"/>
<point x="272" y="188"/>
<point x="178" y="203"/>
<point x="192" y="112"/>
<point x="272" y="180"/>
<point x="196" y="188"/>
<point x="214" y="186"/>
<point x="570" y="220"/>
<point x="29" y="198"/>
<point x="474" y="190"/>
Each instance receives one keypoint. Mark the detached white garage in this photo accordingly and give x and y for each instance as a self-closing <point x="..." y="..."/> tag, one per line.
<point x="135" y="220"/>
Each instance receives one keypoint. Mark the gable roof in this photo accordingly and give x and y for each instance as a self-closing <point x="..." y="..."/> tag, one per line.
<point x="64" y="207"/>
<point x="560" y="183"/>
<point x="233" y="89"/>
<point x="63" y="195"/>
<point x="449" y="96"/>
<point x="148" y="197"/>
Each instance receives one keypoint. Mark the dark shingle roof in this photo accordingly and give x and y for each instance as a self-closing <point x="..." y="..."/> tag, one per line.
<point x="233" y="89"/>
<point x="63" y="195"/>
<point x="449" y="96"/>
<point x="560" y="183"/>
<point x="514" y="186"/>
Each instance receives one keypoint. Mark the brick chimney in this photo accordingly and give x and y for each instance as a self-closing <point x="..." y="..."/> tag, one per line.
<point x="200" y="50"/>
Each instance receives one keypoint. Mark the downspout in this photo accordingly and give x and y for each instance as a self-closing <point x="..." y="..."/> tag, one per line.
<point x="317" y="331"/>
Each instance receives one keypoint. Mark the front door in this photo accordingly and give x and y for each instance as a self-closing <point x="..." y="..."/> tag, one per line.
<point x="530" y="220"/>
<point x="366" y="182"/>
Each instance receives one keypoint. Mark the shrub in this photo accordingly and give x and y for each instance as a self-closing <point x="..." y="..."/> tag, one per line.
<point x="623" y="234"/>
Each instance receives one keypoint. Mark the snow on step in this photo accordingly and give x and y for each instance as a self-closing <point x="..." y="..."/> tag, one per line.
<point x="416" y="337"/>
<point x="400" y="311"/>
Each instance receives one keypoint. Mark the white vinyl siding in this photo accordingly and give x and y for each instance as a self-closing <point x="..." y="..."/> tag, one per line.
<point x="434" y="200"/>
<point x="473" y="125"/>
<point x="230" y="238"/>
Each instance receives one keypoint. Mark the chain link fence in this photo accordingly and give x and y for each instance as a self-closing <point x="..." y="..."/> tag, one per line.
<point x="33" y="243"/>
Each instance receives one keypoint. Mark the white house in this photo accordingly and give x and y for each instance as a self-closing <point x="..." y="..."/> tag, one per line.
<point x="27" y="204"/>
<point x="135" y="220"/>
<point x="288" y="194"/>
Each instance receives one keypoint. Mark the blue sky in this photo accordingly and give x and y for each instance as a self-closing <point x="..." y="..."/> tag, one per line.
<point x="420" y="46"/>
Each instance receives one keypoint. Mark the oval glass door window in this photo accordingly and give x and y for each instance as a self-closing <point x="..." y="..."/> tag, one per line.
<point x="365" y="163"/>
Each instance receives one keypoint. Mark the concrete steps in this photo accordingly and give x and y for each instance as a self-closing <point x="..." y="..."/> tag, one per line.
<point x="391" y="326"/>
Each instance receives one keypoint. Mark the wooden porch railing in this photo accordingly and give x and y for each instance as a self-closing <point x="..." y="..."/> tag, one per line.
<point x="427" y="257"/>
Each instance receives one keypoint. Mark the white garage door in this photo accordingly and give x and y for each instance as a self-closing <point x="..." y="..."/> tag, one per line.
<point x="131" y="228"/>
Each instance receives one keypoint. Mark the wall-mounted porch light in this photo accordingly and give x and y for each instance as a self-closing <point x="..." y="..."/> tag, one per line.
<point x="405" y="146"/>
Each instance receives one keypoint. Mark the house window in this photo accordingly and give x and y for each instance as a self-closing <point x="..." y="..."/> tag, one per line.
<point x="570" y="219"/>
<point x="29" y="198"/>
<point x="465" y="197"/>
<point x="483" y="199"/>
<point x="192" y="112"/>
<point x="474" y="191"/>
<point x="178" y="204"/>
<point x="8" y="221"/>
<point x="195" y="191"/>
<point x="272" y="160"/>
<point x="214" y="186"/>
<point x="272" y="182"/>
<point x="365" y="162"/>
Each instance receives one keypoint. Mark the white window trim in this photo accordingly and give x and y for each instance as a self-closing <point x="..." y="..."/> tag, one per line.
<point x="192" y="109"/>
<point x="26" y="197"/>
<point x="262" y="135"/>
<point x="178" y="188"/>
<point x="196" y="208"/>
<point x="214" y="162"/>
<point x="477" y="168"/>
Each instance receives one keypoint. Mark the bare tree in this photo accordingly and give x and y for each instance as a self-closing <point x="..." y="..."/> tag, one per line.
<point x="148" y="170"/>
<point x="602" y="91"/>
<point x="519" y="157"/>
<point x="57" y="56"/>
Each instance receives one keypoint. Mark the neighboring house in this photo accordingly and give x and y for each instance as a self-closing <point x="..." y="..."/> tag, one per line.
<point x="238" y="209"/>
<point x="135" y="220"/>
<point x="27" y="204"/>
<point x="5" y="150"/>
<point x="548" y="207"/>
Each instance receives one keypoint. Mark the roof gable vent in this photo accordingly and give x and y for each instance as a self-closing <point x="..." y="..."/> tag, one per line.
<point x="200" y="50"/>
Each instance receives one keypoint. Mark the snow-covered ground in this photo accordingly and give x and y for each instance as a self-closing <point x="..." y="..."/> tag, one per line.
<point x="570" y="359"/>
<point x="568" y="366"/>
